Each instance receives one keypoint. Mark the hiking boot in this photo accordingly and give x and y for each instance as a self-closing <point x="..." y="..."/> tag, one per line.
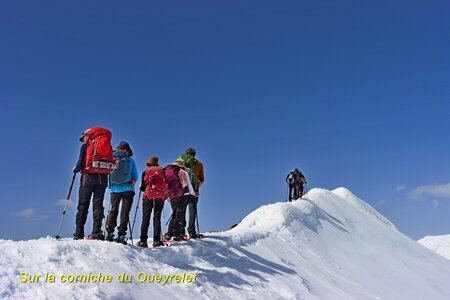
<point x="121" y="239"/>
<point x="78" y="236"/>
<point x="110" y="237"/>
<point x="178" y="238"/>
<point x="142" y="244"/>
<point x="167" y="237"/>
<point x="96" y="236"/>
<point x="157" y="244"/>
<point x="194" y="236"/>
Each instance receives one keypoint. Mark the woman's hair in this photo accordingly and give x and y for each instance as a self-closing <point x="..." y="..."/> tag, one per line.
<point x="130" y="152"/>
<point x="128" y="149"/>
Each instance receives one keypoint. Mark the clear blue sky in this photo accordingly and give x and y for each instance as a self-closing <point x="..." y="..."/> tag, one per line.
<point x="354" y="93"/>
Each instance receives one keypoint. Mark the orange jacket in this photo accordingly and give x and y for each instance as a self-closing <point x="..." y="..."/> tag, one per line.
<point x="198" y="172"/>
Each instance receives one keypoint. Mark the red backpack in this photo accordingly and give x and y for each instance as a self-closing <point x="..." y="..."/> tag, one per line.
<point x="156" y="184"/>
<point x="99" y="154"/>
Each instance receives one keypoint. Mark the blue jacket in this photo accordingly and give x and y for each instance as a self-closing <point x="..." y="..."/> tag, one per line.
<point x="125" y="187"/>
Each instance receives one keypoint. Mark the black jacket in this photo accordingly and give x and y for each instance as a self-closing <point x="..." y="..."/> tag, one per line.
<point x="81" y="159"/>
<point x="143" y="185"/>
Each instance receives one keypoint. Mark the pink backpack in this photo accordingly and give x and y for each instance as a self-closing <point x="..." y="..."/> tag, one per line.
<point x="175" y="188"/>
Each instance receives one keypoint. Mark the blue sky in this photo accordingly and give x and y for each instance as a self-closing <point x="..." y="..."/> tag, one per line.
<point x="355" y="94"/>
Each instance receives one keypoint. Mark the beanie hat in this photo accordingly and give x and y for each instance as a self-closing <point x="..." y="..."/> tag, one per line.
<point x="152" y="160"/>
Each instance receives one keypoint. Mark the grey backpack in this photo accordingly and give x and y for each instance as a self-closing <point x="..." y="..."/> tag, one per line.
<point x="122" y="170"/>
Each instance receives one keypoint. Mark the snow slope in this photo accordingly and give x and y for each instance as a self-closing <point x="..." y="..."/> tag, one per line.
<point x="331" y="245"/>
<point x="439" y="244"/>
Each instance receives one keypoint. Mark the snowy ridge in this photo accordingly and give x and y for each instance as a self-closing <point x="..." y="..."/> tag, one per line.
<point x="270" y="219"/>
<point x="439" y="244"/>
<point x="360" y="204"/>
<point x="331" y="245"/>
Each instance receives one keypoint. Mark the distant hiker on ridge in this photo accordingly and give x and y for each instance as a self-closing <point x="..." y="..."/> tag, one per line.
<point x="197" y="178"/>
<point x="121" y="184"/>
<point x="95" y="162"/>
<point x="291" y="179"/>
<point x="295" y="181"/>
<point x="154" y="187"/>
<point x="301" y="181"/>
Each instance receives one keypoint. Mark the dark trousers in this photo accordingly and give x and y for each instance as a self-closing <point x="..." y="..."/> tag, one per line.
<point x="157" y="206"/>
<point x="292" y="192"/>
<point x="91" y="185"/>
<point x="192" y="204"/>
<point x="298" y="190"/>
<point x="178" y="218"/>
<point x="126" y="198"/>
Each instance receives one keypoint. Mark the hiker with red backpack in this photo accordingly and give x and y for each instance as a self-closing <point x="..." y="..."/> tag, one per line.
<point x="154" y="187"/>
<point x="197" y="178"/>
<point x="121" y="184"/>
<point x="95" y="162"/>
<point x="179" y="191"/>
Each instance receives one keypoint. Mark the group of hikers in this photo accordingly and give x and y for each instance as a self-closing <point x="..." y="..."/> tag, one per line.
<point x="295" y="181"/>
<point x="103" y="167"/>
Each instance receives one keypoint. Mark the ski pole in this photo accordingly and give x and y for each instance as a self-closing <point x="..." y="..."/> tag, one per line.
<point x="287" y="192"/>
<point x="170" y="218"/>
<point x="107" y="217"/>
<point x="129" y="224"/>
<point x="65" y="206"/>
<point x="196" y="218"/>
<point x="131" y="232"/>
<point x="135" y="213"/>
